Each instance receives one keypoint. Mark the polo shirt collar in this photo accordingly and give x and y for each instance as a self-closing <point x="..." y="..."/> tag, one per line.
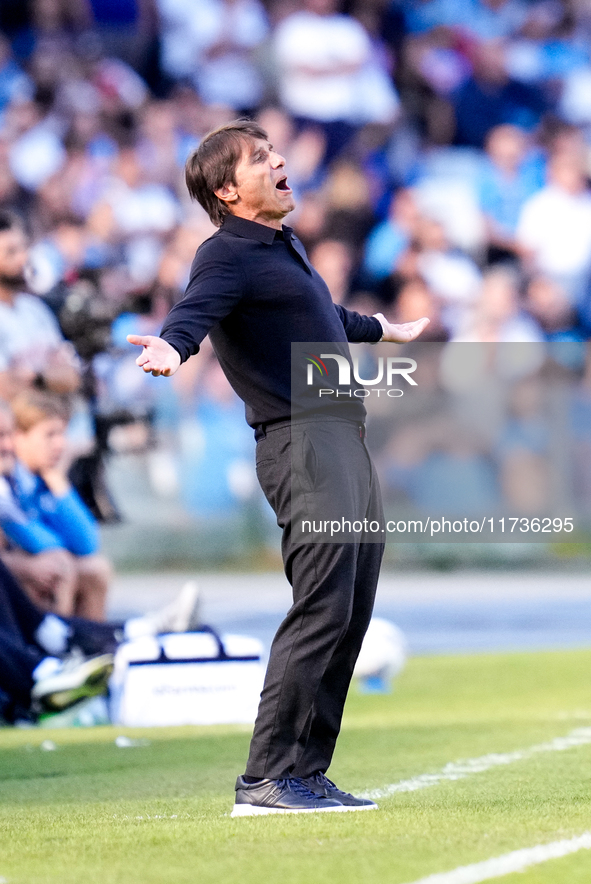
<point x="262" y="233"/>
<point x="249" y="229"/>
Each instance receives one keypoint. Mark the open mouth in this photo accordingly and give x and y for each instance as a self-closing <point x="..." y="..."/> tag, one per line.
<point x="283" y="185"/>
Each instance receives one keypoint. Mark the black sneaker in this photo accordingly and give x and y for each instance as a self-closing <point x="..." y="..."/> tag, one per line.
<point x="280" y="796"/>
<point x="321" y="785"/>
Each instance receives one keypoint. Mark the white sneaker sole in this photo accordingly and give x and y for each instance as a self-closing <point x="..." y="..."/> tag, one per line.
<point x="258" y="810"/>
<point x="361" y="806"/>
<point x="92" y="672"/>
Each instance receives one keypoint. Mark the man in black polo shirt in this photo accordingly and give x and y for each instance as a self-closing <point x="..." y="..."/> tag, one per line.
<point x="253" y="290"/>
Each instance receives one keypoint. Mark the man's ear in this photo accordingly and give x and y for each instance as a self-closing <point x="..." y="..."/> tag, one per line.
<point x="227" y="193"/>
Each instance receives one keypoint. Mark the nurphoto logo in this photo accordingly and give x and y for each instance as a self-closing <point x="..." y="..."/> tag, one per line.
<point x="389" y="371"/>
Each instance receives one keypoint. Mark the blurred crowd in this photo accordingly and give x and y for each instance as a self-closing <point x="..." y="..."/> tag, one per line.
<point x="491" y="430"/>
<point x="439" y="150"/>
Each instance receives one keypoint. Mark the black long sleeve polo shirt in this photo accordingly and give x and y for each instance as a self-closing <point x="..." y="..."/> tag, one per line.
<point x="253" y="290"/>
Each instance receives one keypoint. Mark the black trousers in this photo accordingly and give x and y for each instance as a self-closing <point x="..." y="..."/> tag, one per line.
<point x="19" y="618"/>
<point x="314" y="652"/>
<point x="19" y="652"/>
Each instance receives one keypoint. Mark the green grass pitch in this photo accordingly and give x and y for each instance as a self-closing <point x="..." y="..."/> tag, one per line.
<point x="92" y="813"/>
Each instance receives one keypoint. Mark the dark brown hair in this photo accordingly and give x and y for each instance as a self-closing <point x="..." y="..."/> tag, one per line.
<point x="214" y="162"/>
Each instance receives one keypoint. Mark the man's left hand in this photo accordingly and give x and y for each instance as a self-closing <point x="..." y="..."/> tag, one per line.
<point x="404" y="332"/>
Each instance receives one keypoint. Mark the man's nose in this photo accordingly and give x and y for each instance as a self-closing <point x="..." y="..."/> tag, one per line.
<point x="277" y="160"/>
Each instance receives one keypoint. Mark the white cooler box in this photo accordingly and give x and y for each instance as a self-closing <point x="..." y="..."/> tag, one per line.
<point x="187" y="678"/>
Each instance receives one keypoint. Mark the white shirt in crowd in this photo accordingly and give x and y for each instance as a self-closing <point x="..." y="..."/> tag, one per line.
<point x="29" y="333"/>
<point x="455" y="280"/>
<point x="556" y="226"/>
<point x="190" y="30"/>
<point x="327" y="71"/>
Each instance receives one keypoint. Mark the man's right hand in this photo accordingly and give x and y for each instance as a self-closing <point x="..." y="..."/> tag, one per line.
<point x="158" y="356"/>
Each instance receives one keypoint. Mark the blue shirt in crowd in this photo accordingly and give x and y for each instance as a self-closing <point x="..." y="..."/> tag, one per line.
<point x="36" y="520"/>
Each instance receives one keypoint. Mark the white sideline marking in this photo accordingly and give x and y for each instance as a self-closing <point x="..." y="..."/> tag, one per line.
<point x="458" y="770"/>
<point x="509" y="862"/>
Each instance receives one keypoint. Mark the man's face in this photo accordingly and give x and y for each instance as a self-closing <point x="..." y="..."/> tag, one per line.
<point x="13" y="258"/>
<point x="261" y="192"/>
<point x="6" y="443"/>
<point x="41" y="448"/>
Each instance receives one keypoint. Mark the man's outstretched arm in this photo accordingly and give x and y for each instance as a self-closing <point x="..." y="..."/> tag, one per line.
<point x="376" y="328"/>
<point x="161" y="358"/>
<point x="158" y="356"/>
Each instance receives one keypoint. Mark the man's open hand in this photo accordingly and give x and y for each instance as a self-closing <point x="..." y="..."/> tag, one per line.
<point x="403" y="333"/>
<point x="158" y="356"/>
